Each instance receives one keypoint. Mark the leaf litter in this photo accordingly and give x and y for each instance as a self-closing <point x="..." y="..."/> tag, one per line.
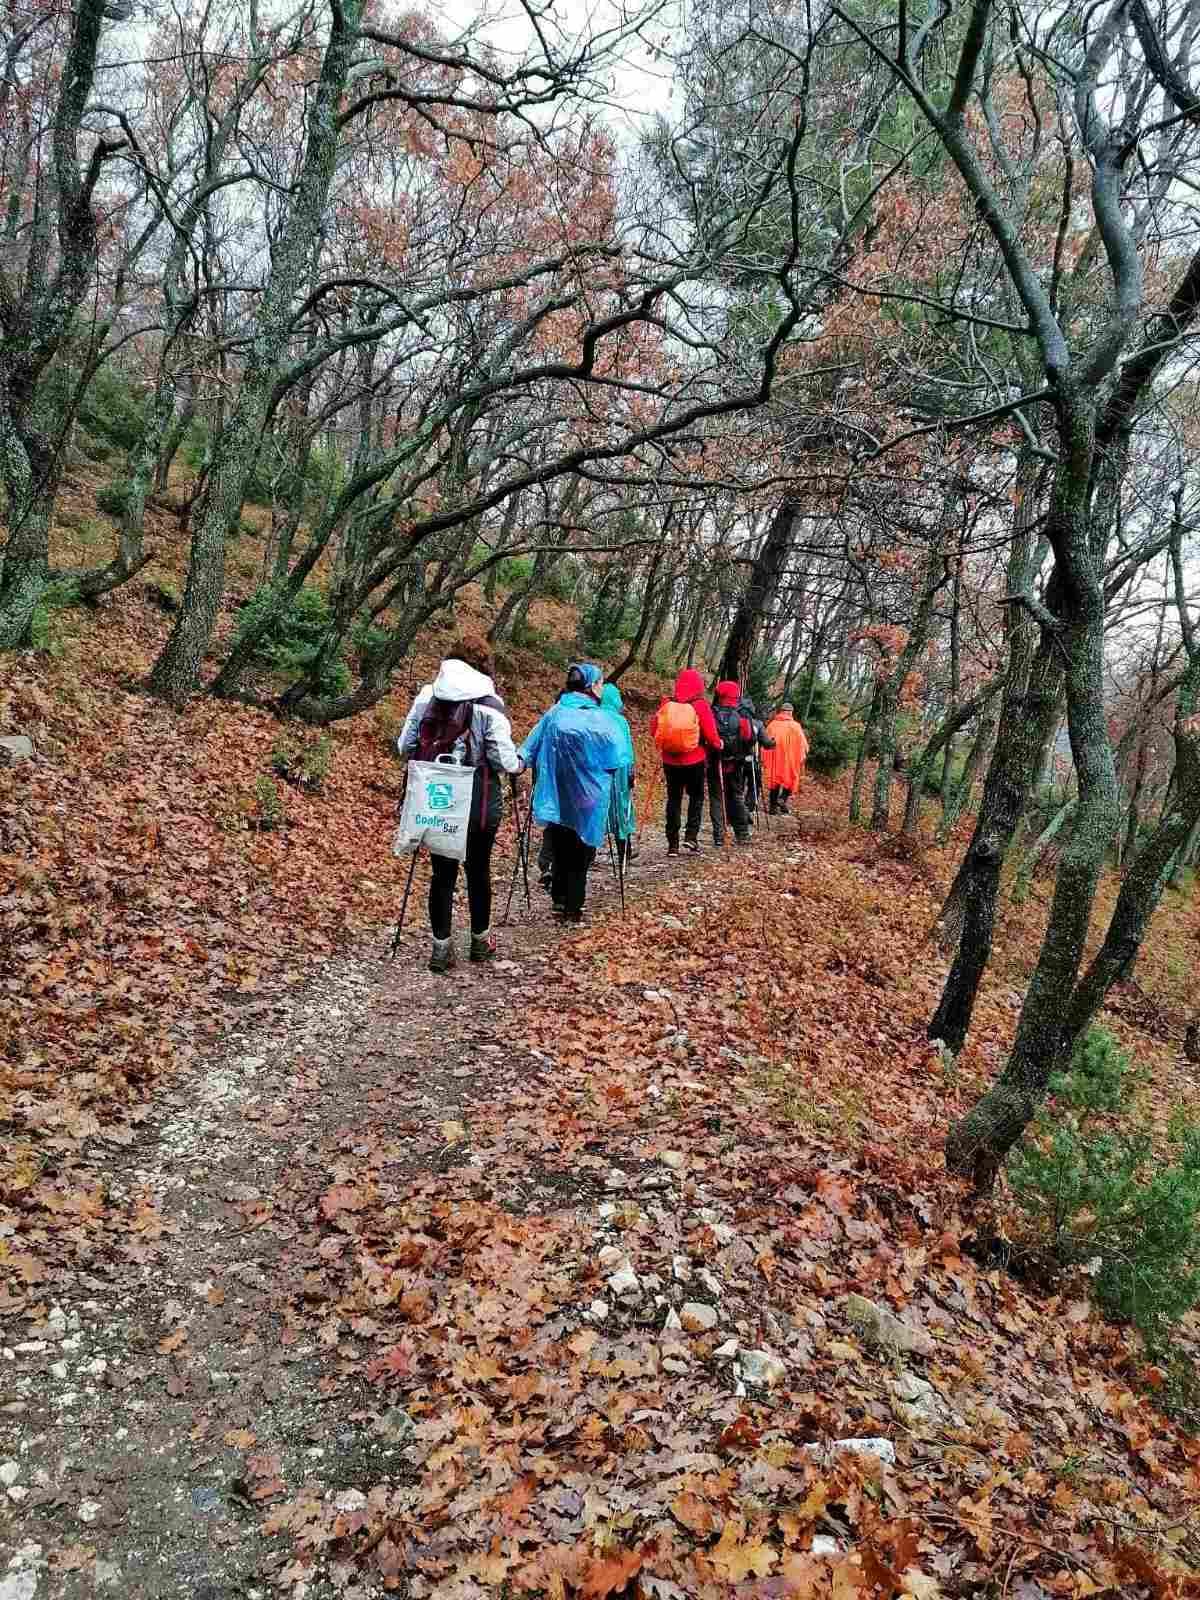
<point x="367" y="1284"/>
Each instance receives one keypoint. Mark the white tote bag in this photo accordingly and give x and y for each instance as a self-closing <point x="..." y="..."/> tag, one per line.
<point x="437" y="808"/>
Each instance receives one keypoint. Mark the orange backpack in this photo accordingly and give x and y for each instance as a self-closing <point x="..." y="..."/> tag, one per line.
<point x="677" y="731"/>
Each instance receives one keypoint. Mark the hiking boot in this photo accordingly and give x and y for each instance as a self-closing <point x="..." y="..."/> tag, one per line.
<point x="633" y="851"/>
<point x="742" y="838"/>
<point x="442" y="958"/>
<point x="693" y="845"/>
<point x="483" y="946"/>
<point x="673" y="849"/>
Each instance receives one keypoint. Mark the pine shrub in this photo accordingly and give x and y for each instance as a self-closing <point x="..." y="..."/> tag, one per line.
<point x="294" y="637"/>
<point x="1098" y="1078"/>
<point x="830" y="742"/>
<point x="1110" y="1204"/>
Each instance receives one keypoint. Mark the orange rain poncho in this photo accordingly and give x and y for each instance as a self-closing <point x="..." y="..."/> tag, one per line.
<point x="783" y="765"/>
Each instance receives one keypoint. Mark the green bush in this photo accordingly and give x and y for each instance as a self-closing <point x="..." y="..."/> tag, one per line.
<point x="1098" y="1077"/>
<point x="761" y="674"/>
<point x="830" y="742"/>
<point x="98" y="450"/>
<point x="305" y="764"/>
<point x="607" y="624"/>
<point x="114" y="497"/>
<point x="114" y="408"/>
<point x="268" y="805"/>
<point x="540" y="641"/>
<point x="1109" y="1203"/>
<point x="294" y="636"/>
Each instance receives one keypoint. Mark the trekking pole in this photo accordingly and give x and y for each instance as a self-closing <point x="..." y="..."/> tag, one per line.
<point x="615" y="856"/>
<point x="412" y="867"/>
<point x="523" y="837"/>
<point x="522" y="856"/>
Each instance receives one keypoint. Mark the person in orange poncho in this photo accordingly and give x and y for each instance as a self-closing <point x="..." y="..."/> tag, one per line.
<point x="784" y="765"/>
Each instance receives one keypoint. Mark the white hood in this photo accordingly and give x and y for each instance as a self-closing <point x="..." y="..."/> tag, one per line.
<point x="457" y="681"/>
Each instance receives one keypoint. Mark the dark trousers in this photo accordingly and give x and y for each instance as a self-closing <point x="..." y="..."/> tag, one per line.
<point x="478" y="866"/>
<point x="571" y="861"/>
<point x="684" y="781"/>
<point x="779" y="799"/>
<point x="730" y="792"/>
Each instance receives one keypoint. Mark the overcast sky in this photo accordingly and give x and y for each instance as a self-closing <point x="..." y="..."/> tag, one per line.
<point x="640" y="86"/>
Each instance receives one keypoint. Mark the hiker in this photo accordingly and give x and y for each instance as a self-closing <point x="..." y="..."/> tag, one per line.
<point x="685" y="733"/>
<point x="622" y="821"/>
<point x="461" y="714"/>
<point x="737" y="742"/>
<point x="750" y="773"/>
<point x="576" y="750"/>
<point x="783" y="766"/>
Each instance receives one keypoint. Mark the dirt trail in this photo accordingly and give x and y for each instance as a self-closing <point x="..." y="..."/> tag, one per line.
<point x="126" y="1410"/>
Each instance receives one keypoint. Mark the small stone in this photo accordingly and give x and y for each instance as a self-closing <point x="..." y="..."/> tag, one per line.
<point x="10" y="1471"/>
<point x="58" y="1369"/>
<point x="31" y="1347"/>
<point x="607" y="1211"/>
<point x="681" y="1269"/>
<point x="20" y="1584"/>
<point x="206" y="1498"/>
<point x="885" y="1330"/>
<point x="675" y="1364"/>
<point x="15" y="747"/>
<point x="672" y="922"/>
<point x="610" y="1257"/>
<point x="883" y="1449"/>
<point x="598" y="1310"/>
<point x="723" y="1233"/>
<point x="616" y="1179"/>
<point x="107" y="1573"/>
<point x="671" y="1320"/>
<point x="16" y="1494"/>
<point x="697" y="1317"/>
<point x="762" y="1368"/>
<point x="824" y="1545"/>
<point x="398" y="1425"/>
<point x="88" y="1511"/>
<point x="726" y="1351"/>
<point x="57" y="1320"/>
<point x="709" y="1282"/>
<point x="350" y="1500"/>
<point x="675" y="1159"/>
<point x="624" y="1283"/>
<point x="707" y="1214"/>
<point x="97" y="1368"/>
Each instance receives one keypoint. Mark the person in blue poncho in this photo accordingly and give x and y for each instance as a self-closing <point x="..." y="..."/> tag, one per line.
<point x="576" y="749"/>
<point x="622" y="823"/>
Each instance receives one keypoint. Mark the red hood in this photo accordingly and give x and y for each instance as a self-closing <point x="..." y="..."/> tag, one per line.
<point x="689" y="685"/>
<point x="728" y="693"/>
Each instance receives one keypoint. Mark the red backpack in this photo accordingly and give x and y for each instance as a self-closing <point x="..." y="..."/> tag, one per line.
<point x="445" y="722"/>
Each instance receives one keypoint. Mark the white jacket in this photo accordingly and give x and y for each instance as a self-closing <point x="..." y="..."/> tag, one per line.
<point x="491" y="731"/>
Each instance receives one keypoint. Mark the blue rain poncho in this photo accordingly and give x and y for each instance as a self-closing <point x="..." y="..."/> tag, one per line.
<point x="623" y="822"/>
<point x="576" y="749"/>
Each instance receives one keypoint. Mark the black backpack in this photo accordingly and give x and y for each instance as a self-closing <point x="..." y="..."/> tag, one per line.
<point x="729" y="725"/>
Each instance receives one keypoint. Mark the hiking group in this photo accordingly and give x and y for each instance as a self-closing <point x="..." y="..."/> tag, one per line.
<point x="582" y="756"/>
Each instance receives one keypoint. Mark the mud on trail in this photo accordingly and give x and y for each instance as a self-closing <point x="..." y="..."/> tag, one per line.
<point x="573" y="1276"/>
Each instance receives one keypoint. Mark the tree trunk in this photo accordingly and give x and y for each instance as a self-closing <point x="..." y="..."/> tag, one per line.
<point x="177" y="669"/>
<point x="978" y="1144"/>
<point x="759" y="593"/>
<point x="1028" y="710"/>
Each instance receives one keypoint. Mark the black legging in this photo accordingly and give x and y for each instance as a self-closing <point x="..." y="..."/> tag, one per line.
<point x="478" y="867"/>
<point x="571" y="858"/>
<point x="683" y="781"/>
